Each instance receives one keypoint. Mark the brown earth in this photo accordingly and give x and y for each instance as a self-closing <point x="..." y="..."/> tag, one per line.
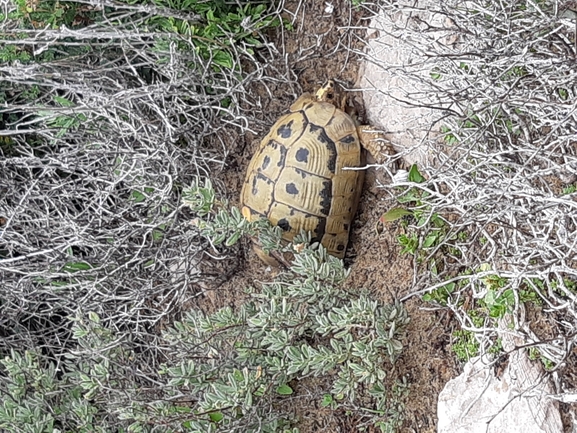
<point x="316" y="51"/>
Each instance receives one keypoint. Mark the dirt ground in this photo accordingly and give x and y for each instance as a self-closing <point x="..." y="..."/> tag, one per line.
<point x="315" y="52"/>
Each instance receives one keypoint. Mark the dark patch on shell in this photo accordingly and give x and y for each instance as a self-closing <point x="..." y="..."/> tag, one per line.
<point x="273" y="144"/>
<point x="285" y="131"/>
<point x="302" y="155"/>
<point x="291" y="189"/>
<point x="313" y="127"/>
<point x="282" y="158"/>
<point x="324" y="138"/>
<point x="284" y="224"/>
<point x="332" y="160"/>
<point x="303" y="173"/>
<point x="326" y="197"/>
<point x="265" y="162"/>
<point x="319" y="230"/>
<point x="348" y="139"/>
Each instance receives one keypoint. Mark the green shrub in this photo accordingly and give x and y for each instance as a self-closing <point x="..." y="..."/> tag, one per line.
<point x="225" y="371"/>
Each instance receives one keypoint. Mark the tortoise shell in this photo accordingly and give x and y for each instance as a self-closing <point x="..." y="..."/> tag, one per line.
<point x="296" y="179"/>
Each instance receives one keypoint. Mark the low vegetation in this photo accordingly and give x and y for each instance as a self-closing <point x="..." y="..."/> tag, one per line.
<point x="491" y="222"/>
<point x="112" y="118"/>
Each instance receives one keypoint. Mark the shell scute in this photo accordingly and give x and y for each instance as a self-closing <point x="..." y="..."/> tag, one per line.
<point x="312" y="196"/>
<point x="296" y="220"/>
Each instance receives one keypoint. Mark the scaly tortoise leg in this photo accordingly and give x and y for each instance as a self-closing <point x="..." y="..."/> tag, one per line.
<point x="375" y="142"/>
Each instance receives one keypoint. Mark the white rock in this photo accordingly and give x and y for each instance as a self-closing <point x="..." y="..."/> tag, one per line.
<point x="479" y="402"/>
<point x="395" y="96"/>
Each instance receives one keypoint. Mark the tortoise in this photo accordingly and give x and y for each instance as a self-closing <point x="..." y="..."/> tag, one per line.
<point x="297" y="177"/>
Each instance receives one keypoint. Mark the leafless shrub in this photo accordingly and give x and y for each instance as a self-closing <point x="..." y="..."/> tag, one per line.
<point x="503" y="76"/>
<point x="97" y="147"/>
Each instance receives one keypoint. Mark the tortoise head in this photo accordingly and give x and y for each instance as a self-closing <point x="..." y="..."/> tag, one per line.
<point x="331" y="92"/>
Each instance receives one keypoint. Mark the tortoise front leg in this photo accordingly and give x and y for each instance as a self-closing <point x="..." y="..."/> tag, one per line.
<point x="375" y="142"/>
